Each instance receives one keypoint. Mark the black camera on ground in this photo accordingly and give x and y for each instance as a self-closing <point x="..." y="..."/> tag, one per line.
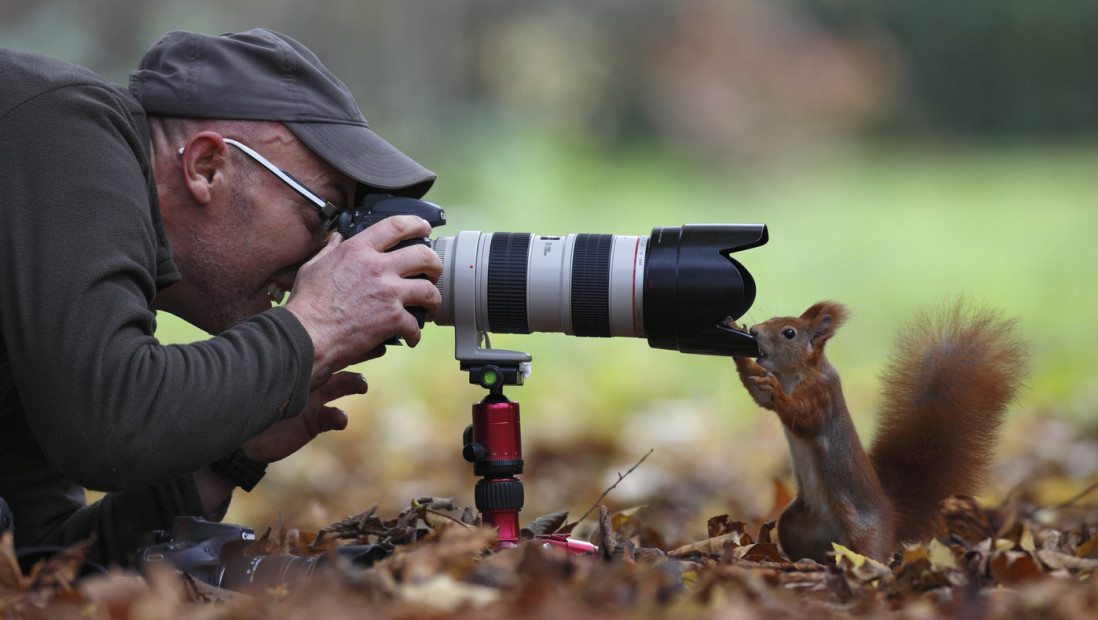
<point x="218" y="554"/>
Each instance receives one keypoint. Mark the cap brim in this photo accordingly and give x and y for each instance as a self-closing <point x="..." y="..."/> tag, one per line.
<point x="365" y="156"/>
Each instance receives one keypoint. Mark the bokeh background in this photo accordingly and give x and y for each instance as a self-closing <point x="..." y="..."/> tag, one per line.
<point x="901" y="154"/>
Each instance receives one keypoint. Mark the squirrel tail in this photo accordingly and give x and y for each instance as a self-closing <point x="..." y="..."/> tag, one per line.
<point x="945" y="391"/>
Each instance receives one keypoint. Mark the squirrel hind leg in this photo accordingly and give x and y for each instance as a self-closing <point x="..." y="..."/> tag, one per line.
<point x="803" y="533"/>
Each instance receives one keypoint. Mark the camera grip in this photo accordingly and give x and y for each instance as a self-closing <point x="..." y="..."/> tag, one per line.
<point x="371" y="208"/>
<point x="419" y="312"/>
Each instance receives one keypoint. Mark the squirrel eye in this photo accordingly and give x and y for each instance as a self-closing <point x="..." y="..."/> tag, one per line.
<point x="789" y="333"/>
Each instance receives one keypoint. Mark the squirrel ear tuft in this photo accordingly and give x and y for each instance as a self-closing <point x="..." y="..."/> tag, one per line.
<point x="824" y="318"/>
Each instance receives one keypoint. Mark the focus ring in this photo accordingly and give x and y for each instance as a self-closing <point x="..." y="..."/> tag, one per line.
<point x="591" y="285"/>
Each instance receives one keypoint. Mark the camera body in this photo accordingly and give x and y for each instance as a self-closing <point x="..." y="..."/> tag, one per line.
<point x="372" y="208"/>
<point x="197" y="547"/>
<point x="674" y="287"/>
<point x="217" y="554"/>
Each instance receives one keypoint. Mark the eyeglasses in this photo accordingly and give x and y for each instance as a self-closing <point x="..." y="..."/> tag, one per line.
<point x="327" y="211"/>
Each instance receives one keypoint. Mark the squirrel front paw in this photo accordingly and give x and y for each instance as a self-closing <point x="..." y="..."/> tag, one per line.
<point x="766" y="383"/>
<point x="731" y="323"/>
<point x="766" y="390"/>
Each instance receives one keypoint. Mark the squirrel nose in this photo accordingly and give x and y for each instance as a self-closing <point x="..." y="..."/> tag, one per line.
<point x="754" y="330"/>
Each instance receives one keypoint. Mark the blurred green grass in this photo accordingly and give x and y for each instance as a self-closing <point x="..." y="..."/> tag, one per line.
<point x="886" y="231"/>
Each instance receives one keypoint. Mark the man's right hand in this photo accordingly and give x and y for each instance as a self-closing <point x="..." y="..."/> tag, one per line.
<point x="352" y="296"/>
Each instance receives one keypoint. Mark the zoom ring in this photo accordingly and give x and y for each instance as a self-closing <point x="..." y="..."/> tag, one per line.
<point x="507" y="265"/>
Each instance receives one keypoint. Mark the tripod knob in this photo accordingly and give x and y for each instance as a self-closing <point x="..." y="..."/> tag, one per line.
<point x="473" y="452"/>
<point x="499" y="494"/>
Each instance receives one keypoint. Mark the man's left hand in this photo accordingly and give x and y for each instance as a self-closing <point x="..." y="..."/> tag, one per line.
<point x="287" y="436"/>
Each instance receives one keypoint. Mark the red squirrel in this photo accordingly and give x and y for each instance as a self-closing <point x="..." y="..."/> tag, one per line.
<point x="944" y="393"/>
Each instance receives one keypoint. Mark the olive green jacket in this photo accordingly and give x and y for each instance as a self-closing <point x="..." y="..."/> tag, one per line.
<point x="89" y="399"/>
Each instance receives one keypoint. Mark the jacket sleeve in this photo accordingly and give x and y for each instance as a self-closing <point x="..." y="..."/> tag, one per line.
<point x="112" y="407"/>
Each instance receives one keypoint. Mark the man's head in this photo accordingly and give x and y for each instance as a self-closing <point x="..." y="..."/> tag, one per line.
<point x="238" y="232"/>
<point x="225" y="111"/>
<point x="261" y="75"/>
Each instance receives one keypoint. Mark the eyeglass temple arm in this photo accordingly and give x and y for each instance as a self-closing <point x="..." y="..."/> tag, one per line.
<point x="328" y="209"/>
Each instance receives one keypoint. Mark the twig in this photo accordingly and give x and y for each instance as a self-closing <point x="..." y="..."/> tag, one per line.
<point x="443" y="515"/>
<point x="620" y="478"/>
<point x="1078" y="496"/>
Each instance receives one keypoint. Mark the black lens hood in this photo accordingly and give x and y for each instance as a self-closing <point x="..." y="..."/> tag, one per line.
<point x="692" y="284"/>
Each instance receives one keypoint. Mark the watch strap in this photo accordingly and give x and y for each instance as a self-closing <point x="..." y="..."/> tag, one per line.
<point x="239" y="469"/>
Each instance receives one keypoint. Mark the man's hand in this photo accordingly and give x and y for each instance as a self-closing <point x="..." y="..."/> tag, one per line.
<point x="351" y="297"/>
<point x="285" y="437"/>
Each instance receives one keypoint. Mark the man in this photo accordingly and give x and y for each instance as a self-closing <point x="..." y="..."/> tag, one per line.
<point x="208" y="190"/>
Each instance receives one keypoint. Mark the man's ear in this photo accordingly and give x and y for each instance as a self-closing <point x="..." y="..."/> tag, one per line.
<point x="203" y="161"/>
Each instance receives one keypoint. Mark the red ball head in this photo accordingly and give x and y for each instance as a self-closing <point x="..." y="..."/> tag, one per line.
<point x="496" y="427"/>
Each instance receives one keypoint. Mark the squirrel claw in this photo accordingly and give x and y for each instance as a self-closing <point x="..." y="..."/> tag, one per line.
<point x="731" y="323"/>
<point x="766" y="383"/>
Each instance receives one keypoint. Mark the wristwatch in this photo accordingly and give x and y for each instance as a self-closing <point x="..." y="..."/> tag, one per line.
<point x="239" y="469"/>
